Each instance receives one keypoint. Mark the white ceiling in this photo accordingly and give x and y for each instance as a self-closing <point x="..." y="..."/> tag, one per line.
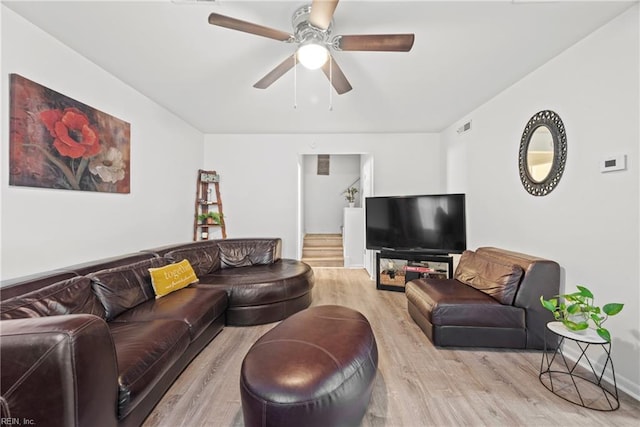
<point x="464" y="54"/>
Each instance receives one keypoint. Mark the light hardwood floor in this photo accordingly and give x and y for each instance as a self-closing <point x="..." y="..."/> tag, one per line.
<point x="417" y="384"/>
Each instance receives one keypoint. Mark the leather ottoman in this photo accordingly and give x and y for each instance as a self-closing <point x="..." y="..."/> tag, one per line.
<point x="316" y="368"/>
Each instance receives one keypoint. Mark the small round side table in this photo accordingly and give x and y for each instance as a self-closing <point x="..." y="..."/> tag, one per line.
<point x="575" y="384"/>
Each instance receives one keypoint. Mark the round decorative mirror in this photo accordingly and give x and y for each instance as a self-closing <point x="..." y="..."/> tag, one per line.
<point x="543" y="153"/>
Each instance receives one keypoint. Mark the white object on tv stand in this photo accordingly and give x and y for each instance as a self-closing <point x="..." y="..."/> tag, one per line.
<point x="353" y="237"/>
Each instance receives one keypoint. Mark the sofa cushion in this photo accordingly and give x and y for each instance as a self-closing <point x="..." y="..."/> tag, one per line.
<point x="172" y="277"/>
<point x="489" y="275"/>
<point x="124" y="287"/>
<point x="145" y="351"/>
<point x="198" y="307"/>
<point x="247" y="252"/>
<point x="203" y="258"/>
<point x="71" y="296"/>
<point x="448" y="302"/>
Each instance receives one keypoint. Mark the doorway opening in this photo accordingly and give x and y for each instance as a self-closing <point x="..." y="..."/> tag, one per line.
<point x="322" y="202"/>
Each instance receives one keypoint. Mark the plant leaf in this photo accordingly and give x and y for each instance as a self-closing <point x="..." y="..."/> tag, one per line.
<point x="573" y="309"/>
<point x="581" y="326"/>
<point x="575" y="326"/>
<point x="569" y="324"/>
<point x="612" y="308"/>
<point x="549" y="305"/>
<point x="604" y="334"/>
<point x="585" y="292"/>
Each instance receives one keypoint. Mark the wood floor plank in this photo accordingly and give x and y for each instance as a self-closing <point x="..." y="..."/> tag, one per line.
<point x="417" y="384"/>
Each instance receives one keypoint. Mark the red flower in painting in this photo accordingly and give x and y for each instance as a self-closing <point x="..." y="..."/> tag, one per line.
<point x="73" y="136"/>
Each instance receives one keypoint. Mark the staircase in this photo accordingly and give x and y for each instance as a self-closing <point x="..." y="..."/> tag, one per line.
<point x="323" y="250"/>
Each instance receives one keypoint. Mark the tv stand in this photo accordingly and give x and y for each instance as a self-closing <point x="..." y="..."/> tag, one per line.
<point x="394" y="269"/>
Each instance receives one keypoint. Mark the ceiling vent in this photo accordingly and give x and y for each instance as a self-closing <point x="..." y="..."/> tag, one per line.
<point x="465" y="127"/>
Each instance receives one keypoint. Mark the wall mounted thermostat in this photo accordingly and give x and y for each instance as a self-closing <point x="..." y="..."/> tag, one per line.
<point x="613" y="163"/>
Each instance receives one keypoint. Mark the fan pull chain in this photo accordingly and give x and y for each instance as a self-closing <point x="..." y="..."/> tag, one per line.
<point x="295" y="82"/>
<point x="330" y="83"/>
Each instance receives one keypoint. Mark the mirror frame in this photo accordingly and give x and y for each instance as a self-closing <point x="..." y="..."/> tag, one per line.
<point x="553" y="122"/>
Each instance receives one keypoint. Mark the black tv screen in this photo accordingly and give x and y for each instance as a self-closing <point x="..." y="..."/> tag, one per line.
<point x="428" y="223"/>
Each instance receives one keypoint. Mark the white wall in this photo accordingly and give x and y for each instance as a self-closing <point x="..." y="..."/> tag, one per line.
<point x="590" y="223"/>
<point x="323" y="194"/>
<point x="43" y="228"/>
<point x="259" y="174"/>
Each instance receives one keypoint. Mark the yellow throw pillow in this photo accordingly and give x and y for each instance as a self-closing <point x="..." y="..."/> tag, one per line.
<point x="172" y="277"/>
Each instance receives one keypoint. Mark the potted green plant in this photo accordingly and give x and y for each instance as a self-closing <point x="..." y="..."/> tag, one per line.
<point x="350" y="195"/>
<point x="210" y="218"/>
<point x="214" y="217"/>
<point x="575" y="310"/>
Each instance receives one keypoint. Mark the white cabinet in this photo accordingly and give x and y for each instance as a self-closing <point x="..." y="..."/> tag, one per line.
<point x="353" y="237"/>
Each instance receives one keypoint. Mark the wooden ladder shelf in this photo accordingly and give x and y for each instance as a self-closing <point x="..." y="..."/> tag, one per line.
<point x="204" y="229"/>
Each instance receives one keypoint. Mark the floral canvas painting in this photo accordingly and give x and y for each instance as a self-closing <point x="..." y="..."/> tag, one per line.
<point x="58" y="142"/>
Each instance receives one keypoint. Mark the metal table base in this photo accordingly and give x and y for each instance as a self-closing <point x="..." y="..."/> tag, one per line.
<point x="567" y="368"/>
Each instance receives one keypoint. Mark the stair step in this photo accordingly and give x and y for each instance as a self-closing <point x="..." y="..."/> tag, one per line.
<point x="324" y="261"/>
<point x="322" y="251"/>
<point x="323" y="235"/>
<point x="315" y="240"/>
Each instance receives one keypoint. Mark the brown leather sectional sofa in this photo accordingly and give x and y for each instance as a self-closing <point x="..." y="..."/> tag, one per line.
<point x="267" y="292"/>
<point x="90" y="345"/>
<point x="492" y="301"/>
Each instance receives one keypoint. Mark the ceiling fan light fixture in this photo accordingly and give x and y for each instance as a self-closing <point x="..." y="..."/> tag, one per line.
<point x="312" y="55"/>
<point x="312" y="32"/>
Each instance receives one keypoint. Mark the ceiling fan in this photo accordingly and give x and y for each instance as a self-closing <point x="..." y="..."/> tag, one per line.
<point x="312" y="27"/>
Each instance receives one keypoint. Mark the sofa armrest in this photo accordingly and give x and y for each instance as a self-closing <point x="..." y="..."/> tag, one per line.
<point x="58" y="370"/>
<point x="541" y="277"/>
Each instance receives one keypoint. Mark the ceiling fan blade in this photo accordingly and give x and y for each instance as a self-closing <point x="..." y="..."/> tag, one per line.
<point x="248" y="27"/>
<point x="336" y="76"/>
<point x="376" y="42"/>
<point x="322" y="13"/>
<point x="276" y="73"/>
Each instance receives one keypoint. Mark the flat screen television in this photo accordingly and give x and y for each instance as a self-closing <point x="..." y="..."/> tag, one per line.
<point x="425" y="223"/>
